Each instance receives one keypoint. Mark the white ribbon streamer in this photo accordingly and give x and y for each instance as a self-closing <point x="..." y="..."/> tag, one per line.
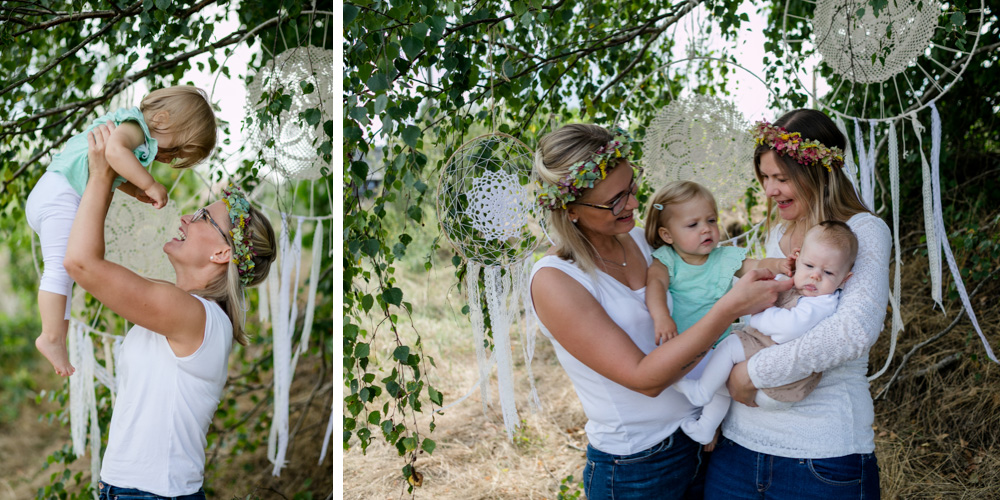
<point x="942" y="235"/>
<point x="850" y="168"/>
<point x="317" y="257"/>
<point x="497" y="292"/>
<point x="897" y="318"/>
<point x="478" y="329"/>
<point x="282" y="333"/>
<point x="930" y="232"/>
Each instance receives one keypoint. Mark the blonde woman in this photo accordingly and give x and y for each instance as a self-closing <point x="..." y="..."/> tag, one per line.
<point x="588" y="293"/>
<point x="173" y="124"/>
<point x="823" y="446"/>
<point x="173" y="362"/>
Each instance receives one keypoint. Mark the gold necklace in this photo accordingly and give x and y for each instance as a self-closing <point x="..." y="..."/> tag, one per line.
<point x="624" y="255"/>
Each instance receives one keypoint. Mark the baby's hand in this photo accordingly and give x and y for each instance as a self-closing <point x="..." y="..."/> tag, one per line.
<point x="788" y="266"/>
<point x="665" y="330"/>
<point x="156" y="194"/>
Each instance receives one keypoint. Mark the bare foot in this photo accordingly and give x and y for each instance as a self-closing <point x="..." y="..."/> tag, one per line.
<point x="56" y="353"/>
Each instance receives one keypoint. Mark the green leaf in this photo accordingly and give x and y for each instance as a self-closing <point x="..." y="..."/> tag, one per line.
<point x="374" y="417"/>
<point x="378" y="82"/>
<point x="419" y="30"/>
<point x="508" y="68"/>
<point x="380" y="103"/>
<point x="414" y="212"/>
<point x="958" y="19"/>
<point x="401" y="353"/>
<point x="314" y="115"/>
<point x="436" y="397"/>
<point x="361" y="350"/>
<point x="367" y="302"/>
<point x="412" y="46"/>
<point x="410" y="135"/>
<point x="393" y="296"/>
<point x="410" y="444"/>
<point x="350" y="12"/>
<point x="162" y="4"/>
<point x="428" y="445"/>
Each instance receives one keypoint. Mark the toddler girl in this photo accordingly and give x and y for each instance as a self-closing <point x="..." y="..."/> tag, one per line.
<point x="682" y="227"/>
<point x="175" y="123"/>
<point x="821" y="269"/>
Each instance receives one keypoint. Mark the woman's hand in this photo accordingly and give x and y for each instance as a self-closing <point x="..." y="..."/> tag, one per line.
<point x="97" y="140"/>
<point x="755" y="291"/>
<point x="740" y="386"/>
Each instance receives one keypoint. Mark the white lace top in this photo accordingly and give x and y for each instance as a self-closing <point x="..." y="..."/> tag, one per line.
<point x="836" y="419"/>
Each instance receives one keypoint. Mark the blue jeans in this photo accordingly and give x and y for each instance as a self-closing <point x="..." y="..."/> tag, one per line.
<point x="738" y="473"/>
<point x="666" y="470"/>
<point x="108" y="492"/>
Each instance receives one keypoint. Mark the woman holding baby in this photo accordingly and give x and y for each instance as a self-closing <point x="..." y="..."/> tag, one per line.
<point x="589" y="293"/>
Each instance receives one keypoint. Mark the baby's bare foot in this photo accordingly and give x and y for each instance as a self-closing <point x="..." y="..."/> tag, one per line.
<point x="55" y="351"/>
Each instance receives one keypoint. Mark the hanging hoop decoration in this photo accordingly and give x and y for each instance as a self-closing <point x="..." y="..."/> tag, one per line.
<point x="486" y="207"/>
<point x="135" y="234"/>
<point x="486" y="202"/>
<point x="704" y="138"/>
<point x="893" y="60"/>
<point x="289" y="142"/>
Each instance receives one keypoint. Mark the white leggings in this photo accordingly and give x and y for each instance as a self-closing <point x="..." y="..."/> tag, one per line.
<point x="50" y="209"/>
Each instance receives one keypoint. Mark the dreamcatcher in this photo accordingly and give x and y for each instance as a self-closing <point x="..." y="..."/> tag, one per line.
<point x="288" y="145"/>
<point x="705" y="138"/>
<point x="486" y="209"/>
<point x="893" y="60"/>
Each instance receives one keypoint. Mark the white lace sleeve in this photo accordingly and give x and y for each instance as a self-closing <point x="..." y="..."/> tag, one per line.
<point x="849" y="332"/>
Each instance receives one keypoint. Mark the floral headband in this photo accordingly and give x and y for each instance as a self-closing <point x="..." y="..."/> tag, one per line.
<point x="583" y="174"/>
<point x="791" y="144"/>
<point x="239" y="218"/>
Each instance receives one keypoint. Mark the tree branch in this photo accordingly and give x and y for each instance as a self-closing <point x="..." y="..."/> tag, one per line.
<point x="72" y="51"/>
<point x="78" y="16"/>
<point x="691" y="4"/>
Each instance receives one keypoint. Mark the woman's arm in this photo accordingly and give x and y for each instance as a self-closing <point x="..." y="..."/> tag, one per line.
<point x="155" y="306"/>
<point x="846" y="334"/>
<point x="582" y="326"/>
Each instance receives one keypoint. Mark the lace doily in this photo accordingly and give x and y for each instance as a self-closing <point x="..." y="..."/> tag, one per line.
<point x="851" y="45"/>
<point x="293" y="152"/>
<point x="486" y="200"/>
<point x="135" y="233"/>
<point x="703" y="139"/>
<point x="880" y="67"/>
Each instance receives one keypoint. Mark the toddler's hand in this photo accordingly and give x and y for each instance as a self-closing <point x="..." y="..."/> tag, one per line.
<point x="665" y="330"/>
<point x="157" y="195"/>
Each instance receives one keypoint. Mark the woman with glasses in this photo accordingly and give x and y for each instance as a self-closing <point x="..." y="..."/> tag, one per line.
<point x="173" y="362"/>
<point x="588" y="292"/>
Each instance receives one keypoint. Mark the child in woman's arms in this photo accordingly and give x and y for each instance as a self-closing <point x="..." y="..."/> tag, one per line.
<point x="821" y="269"/>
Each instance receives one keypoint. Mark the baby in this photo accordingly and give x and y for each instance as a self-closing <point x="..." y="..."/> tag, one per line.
<point x="821" y="269"/>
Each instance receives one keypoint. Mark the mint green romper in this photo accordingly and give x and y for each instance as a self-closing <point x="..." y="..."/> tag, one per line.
<point x="695" y="289"/>
<point x="71" y="162"/>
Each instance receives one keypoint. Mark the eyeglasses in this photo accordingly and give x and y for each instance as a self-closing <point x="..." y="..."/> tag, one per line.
<point x="203" y="214"/>
<point x="618" y="204"/>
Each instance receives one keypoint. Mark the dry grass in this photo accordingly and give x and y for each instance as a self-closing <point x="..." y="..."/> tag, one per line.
<point x="937" y="434"/>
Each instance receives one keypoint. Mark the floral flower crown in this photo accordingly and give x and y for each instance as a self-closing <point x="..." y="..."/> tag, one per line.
<point x="791" y="144"/>
<point x="239" y="218"/>
<point x="583" y="174"/>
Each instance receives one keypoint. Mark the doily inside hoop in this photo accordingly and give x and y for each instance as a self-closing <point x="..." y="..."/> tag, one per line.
<point x="703" y="139"/>
<point x="293" y="153"/>
<point x="855" y="47"/>
<point x="135" y="233"/>
<point x="497" y="205"/>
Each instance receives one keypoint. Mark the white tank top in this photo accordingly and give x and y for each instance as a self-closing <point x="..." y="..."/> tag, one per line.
<point x="620" y="421"/>
<point x="165" y="403"/>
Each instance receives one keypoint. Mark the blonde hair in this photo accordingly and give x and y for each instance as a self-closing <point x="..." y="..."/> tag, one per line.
<point x="838" y="235"/>
<point x="191" y="121"/>
<point x="226" y="288"/>
<point x="671" y="194"/>
<point x="827" y="195"/>
<point x="557" y="151"/>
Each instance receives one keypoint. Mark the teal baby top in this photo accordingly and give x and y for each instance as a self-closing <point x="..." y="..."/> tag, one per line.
<point x="71" y="162"/>
<point x="695" y="289"/>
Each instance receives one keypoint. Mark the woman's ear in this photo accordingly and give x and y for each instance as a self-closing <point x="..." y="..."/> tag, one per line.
<point x="222" y="255"/>
<point x="665" y="235"/>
